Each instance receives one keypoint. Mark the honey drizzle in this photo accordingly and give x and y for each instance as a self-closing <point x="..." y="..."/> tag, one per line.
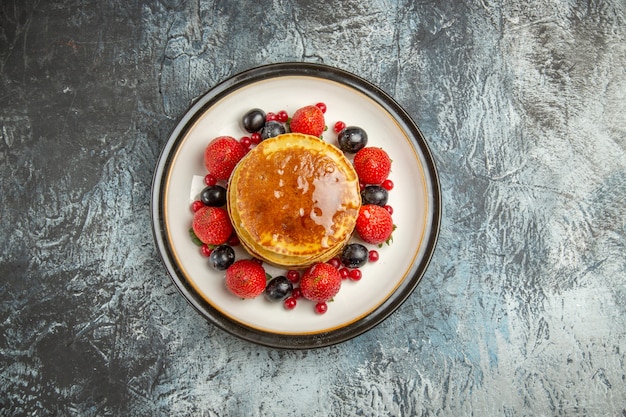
<point x="307" y="192"/>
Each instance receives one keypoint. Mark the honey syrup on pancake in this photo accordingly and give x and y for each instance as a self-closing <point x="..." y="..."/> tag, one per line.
<point x="299" y="197"/>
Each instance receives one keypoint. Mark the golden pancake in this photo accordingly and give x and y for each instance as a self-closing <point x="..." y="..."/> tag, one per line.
<point x="293" y="200"/>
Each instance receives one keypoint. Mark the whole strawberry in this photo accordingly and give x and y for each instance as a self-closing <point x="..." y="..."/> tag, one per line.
<point x="320" y="282"/>
<point x="374" y="224"/>
<point x="245" y="279"/>
<point x="308" y="120"/>
<point x="372" y="165"/>
<point x="221" y="155"/>
<point x="212" y="225"/>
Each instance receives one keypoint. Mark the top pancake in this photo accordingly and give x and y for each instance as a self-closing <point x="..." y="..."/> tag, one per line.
<point x="294" y="200"/>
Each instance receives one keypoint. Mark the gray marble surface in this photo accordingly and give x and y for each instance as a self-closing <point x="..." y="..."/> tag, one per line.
<point x="522" y="311"/>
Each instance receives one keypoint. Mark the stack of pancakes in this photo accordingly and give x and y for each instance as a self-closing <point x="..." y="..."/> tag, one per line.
<point x="293" y="200"/>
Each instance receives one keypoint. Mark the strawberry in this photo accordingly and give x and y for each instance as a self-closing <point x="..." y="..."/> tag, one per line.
<point x="320" y="282"/>
<point x="212" y="225"/>
<point x="221" y="155"/>
<point x="246" y="278"/>
<point x="308" y="120"/>
<point x="374" y="224"/>
<point x="372" y="165"/>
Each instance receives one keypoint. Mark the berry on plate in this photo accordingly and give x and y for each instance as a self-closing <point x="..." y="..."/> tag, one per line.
<point x="375" y="194"/>
<point x="278" y="288"/>
<point x="374" y="224"/>
<point x="308" y="120"/>
<point x="321" y="308"/>
<point x="282" y="116"/>
<point x="222" y="257"/>
<point x="211" y="225"/>
<point x="245" y="279"/>
<point x="339" y="126"/>
<point x="320" y="282"/>
<point x="290" y="303"/>
<point x="351" y="139"/>
<point x="321" y="106"/>
<point x="372" y="165"/>
<point x="221" y="155"/>
<point x="197" y="205"/>
<point x="354" y="255"/>
<point x="272" y="128"/>
<point x="253" y="120"/>
<point x="213" y="195"/>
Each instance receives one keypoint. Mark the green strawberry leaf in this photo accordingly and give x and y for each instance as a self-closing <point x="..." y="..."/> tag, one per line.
<point x="389" y="241"/>
<point x="194" y="238"/>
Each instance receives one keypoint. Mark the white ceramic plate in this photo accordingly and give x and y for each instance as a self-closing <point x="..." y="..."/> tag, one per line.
<point x="415" y="199"/>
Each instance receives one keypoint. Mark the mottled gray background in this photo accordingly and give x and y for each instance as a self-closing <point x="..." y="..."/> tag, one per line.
<point x="522" y="310"/>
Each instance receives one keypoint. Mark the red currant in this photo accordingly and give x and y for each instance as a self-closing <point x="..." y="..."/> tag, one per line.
<point x="339" y="126"/>
<point x="290" y="303"/>
<point x="196" y="205"/>
<point x="206" y="250"/>
<point x="387" y="185"/>
<point x="245" y="141"/>
<point x="296" y="293"/>
<point x="255" y="138"/>
<point x="271" y="116"/>
<point x="335" y="263"/>
<point x="344" y="273"/>
<point x="321" y="106"/>
<point x="282" y="116"/>
<point x="321" y="308"/>
<point x="293" y="275"/>
<point x="355" y="275"/>
<point x="389" y="209"/>
<point x="209" y="179"/>
<point x="233" y="240"/>
<point x="373" y="255"/>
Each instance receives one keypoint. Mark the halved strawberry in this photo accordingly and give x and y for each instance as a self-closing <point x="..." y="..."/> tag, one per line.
<point x="374" y="224"/>
<point x="308" y="120"/>
<point x="221" y="155"/>
<point x="246" y="278"/>
<point x="320" y="282"/>
<point x="372" y="165"/>
<point x="212" y="225"/>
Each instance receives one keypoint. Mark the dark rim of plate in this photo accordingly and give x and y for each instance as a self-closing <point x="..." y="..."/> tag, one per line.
<point x="286" y="341"/>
